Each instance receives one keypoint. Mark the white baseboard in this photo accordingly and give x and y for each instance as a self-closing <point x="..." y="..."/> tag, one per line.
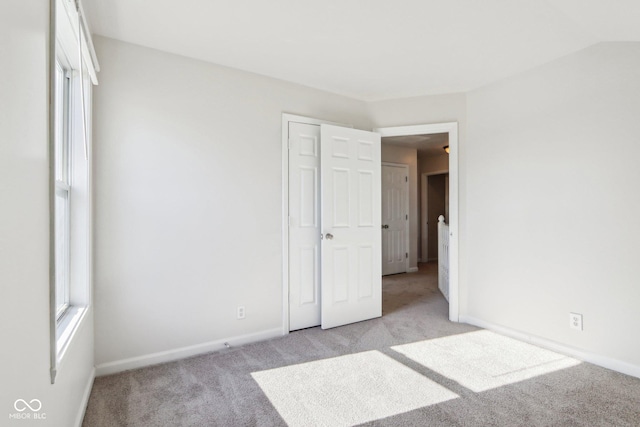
<point x="183" y="352"/>
<point x="412" y="269"/>
<point x="596" y="359"/>
<point x="85" y="398"/>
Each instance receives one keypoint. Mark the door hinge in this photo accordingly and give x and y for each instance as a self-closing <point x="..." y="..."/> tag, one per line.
<point x="406" y="217"/>
<point x="406" y="254"/>
<point x="406" y="179"/>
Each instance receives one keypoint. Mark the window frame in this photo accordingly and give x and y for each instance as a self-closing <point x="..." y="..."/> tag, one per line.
<point x="63" y="122"/>
<point x="72" y="65"/>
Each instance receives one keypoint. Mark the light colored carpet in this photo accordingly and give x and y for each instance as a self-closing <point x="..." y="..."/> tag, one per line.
<point x="412" y="367"/>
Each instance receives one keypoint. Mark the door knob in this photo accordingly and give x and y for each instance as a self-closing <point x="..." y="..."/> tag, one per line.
<point x="329" y="236"/>
<point x="385" y="226"/>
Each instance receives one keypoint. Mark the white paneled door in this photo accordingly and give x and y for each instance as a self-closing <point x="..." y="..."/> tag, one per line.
<point x="304" y="225"/>
<point x="336" y="279"/>
<point x="351" y="289"/>
<point x="395" y="218"/>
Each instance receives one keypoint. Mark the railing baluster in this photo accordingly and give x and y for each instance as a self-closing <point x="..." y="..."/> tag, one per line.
<point x="443" y="257"/>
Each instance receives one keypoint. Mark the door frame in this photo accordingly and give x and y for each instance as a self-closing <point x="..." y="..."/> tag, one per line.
<point x="452" y="129"/>
<point x="424" y="209"/>
<point x="286" y="119"/>
<point x="407" y="206"/>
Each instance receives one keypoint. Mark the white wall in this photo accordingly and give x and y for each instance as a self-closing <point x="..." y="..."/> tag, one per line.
<point x="552" y="201"/>
<point x="188" y="199"/>
<point x="24" y="230"/>
<point x="409" y="157"/>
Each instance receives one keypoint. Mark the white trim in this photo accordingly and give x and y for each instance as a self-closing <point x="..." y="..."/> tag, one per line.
<point x="452" y="129"/>
<point x="86" y="32"/>
<point x="85" y="398"/>
<point x="596" y="359"/>
<point x="67" y="329"/>
<point x="424" y="129"/>
<point x="407" y="233"/>
<point x="68" y="32"/>
<point x="183" y="352"/>
<point x="412" y="269"/>
<point x="74" y="328"/>
<point x="286" y="119"/>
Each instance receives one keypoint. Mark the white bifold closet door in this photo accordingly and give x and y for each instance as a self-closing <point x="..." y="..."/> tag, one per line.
<point x="334" y="228"/>
<point x="304" y="225"/>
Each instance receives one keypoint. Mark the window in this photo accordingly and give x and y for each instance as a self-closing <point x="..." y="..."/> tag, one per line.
<point x="73" y="69"/>
<point x="72" y="197"/>
<point x="62" y="166"/>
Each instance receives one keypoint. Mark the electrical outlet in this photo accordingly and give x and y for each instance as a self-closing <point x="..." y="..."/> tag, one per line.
<point x="575" y="321"/>
<point x="241" y="312"/>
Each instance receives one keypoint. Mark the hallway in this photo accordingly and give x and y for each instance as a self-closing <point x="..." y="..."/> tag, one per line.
<point x="412" y="289"/>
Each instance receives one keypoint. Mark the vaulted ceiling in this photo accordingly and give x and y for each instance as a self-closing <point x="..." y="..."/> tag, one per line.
<point x="370" y="49"/>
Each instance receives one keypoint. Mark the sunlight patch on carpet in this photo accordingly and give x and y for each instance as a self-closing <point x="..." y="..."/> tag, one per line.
<point x="483" y="360"/>
<point x="348" y="390"/>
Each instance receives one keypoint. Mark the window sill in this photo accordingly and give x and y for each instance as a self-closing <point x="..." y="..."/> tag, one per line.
<point x="67" y="328"/>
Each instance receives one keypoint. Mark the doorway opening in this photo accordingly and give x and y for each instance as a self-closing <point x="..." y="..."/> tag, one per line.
<point x="434" y="201"/>
<point x="447" y="135"/>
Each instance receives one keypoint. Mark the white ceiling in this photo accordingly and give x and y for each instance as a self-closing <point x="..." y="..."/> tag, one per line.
<point x="371" y="49"/>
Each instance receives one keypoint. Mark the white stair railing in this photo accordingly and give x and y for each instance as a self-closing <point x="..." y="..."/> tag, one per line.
<point x="443" y="257"/>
